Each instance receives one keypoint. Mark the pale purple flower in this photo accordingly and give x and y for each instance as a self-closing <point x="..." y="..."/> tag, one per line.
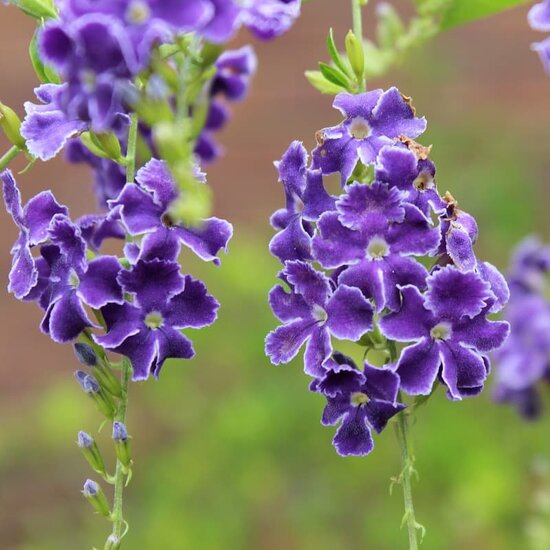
<point x="373" y="120"/>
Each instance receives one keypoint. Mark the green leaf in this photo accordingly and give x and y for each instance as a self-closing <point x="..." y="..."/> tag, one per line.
<point x="335" y="54"/>
<point x="334" y="75"/>
<point x="320" y="83"/>
<point x="464" y="11"/>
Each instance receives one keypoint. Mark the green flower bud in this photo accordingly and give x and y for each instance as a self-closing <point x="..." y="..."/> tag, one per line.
<point x="112" y="543"/>
<point x="356" y="55"/>
<point x="96" y="497"/>
<point x="108" y="142"/>
<point x="11" y="124"/>
<point x="44" y="72"/>
<point x="91" y="452"/>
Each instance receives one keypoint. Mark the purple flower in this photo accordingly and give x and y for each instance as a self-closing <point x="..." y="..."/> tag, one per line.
<point x="268" y="19"/>
<point x="33" y="222"/>
<point x="451" y="332"/>
<point x="67" y="281"/>
<point x="523" y="362"/>
<point x="306" y="200"/>
<point x="373" y="119"/>
<point x="539" y="16"/>
<point x="312" y="312"/>
<point x="361" y="400"/>
<point x="459" y="233"/>
<point x="147" y="330"/>
<point x="370" y="236"/>
<point x="144" y="209"/>
<point x="47" y="127"/>
<point x="400" y="167"/>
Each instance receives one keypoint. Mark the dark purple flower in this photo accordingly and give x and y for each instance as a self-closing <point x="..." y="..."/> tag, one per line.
<point x="234" y="69"/>
<point x="312" y="312"/>
<point x="268" y="19"/>
<point x="67" y="281"/>
<point x="306" y="200"/>
<point x="33" y="222"/>
<point x="144" y="209"/>
<point x="147" y="331"/>
<point x="451" y="332"/>
<point x="373" y="119"/>
<point x="361" y="400"/>
<point x="370" y="236"/>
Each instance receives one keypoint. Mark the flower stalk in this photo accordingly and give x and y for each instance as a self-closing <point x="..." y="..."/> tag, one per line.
<point x="8" y="157"/>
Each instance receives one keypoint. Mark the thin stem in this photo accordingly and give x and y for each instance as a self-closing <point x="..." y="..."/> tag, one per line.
<point x="407" y="465"/>
<point x="357" y="18"/>
<point x="121" y="472"/>
<point x="407" y="461"/>
<point x="131" y="151"/>
<point x="8" y="157"/>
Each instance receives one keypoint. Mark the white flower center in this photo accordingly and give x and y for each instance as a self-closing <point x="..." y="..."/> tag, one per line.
<point x="441" y="331"/>
<point x="359" y="128"/>
<point x="423" y="181"/>
<point x="319" y="314"/>
<point x="138" y="12"/>
<point x="74" y="281"/>
<point x="358" y="398"/>
<point x="377" y="248"/>
<point x="154" y="320"/>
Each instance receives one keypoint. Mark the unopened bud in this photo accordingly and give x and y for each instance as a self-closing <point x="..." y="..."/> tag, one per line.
<point x="122" y="444"/>
<point x="85" y="354"/>
<point x="108" y="142"/>
<point x="96" y="497"/>
<point x="91" y="386"/>
<point x="356" y="55"/>
<point x="11" y="124"/>
<point x="91" y="452"/>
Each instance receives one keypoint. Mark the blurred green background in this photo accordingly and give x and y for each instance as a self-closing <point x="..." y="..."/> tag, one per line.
<point x="229" y="450"/>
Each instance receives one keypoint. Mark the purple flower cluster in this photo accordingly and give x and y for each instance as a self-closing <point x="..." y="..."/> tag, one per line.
<point x="355" y="269"/>
<point x="140" y="300"/>
<point x="539" y="20"/>
<point x="523" y="362"/>
<point x="234" y="69"/>
<point x="99" y="47"/>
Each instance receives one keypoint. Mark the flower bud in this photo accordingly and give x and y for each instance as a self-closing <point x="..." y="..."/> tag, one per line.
<point x="91" y="386"/>
<point x="356" y="55"/>
<point x="109" y="143"/>
<point x="85" y="354"/>
<point x="113" y="543"/>
<point x="91" y="452"/>
<point x="122" y="445"/>
<point x="11" y="124"/>
<point x="96" y="497"/>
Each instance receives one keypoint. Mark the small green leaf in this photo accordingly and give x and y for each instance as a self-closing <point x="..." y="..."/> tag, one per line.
<point x="334" y="75"/>
<point x="335" y="54"/>
<point x="320" y="83"/>
<point x="464" y="11"/>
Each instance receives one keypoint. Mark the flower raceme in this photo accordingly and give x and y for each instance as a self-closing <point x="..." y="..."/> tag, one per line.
<point x="388" y="264"/>
<point x="143" y="298"/>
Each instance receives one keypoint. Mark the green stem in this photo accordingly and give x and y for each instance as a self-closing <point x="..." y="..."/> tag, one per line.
<point x="9" y="156"/>
<point x="357" y="18"/>
<point x="407" y="465"/>
<point x="407" y="461"/>
<point x="121" y="472"/>
<point x="131" y="152"/>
